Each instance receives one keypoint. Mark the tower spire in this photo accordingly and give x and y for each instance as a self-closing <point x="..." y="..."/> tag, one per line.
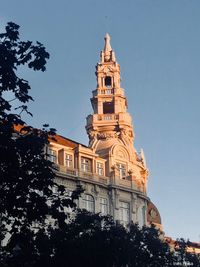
<point x="110" y="119"/>
<point x="110" y="127"/>
<point x="107" y="47"/>
<point x="107" y="55"/>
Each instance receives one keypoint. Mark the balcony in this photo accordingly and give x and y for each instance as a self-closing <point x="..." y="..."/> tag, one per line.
<point x="75" y="173"/>
<point x="98" y="118"/>
<point x="125" y="182"/>
<point x="107" y="117"/>
<point x="108" y="91"/>
<point x="122" y="117"/>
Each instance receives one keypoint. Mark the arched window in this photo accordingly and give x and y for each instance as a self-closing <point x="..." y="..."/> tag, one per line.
<point x="88" y="202"/>
<point x="108" y="81"/>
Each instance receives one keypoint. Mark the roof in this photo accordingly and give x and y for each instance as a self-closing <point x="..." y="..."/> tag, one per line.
<point x="153" y="215"/>
<point x="58" y="139"/>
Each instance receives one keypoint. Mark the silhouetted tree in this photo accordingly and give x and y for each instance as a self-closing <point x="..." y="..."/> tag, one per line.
<point x="184" y="257"/>
<point x="27" y="182"/>
<point x="95" y="240"/>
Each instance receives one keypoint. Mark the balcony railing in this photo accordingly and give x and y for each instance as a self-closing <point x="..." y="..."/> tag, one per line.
<point x="96" y="118"/>
<point x="107" y="91"/>
<point x="125" y="182"/>
<point x="82" y="174"/>
<point x="121" y="117"/>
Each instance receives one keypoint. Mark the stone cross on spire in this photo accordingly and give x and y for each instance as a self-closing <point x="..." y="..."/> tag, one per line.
<point x="107" y="55"/>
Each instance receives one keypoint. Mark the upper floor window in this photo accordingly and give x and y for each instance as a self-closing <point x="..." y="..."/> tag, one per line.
<point x="124" y="213"/>
<point x="68" y="160"/>
<point x="88" y="202"/>
<point x="52" y="155"/>
<point x="99" y="168"/>
<point x="108" y="81"/>
<point x="86" y="165"/>
<point x="103" y="205"/>
<point x="122" y="170"/>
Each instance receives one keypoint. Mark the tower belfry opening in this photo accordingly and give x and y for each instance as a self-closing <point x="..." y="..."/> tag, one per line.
<point x="108" y="82"/>
<point x="108" y="107"/>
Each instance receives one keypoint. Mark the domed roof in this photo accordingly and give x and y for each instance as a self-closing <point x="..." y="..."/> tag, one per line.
<point x="153" y="215"/>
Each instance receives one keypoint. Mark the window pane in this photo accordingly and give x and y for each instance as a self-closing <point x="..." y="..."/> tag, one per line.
<point x="88" y="202"/>
<point x="68" y="160"/>
<point x="100" y="168"/>
<point x="122" y="170"/>
<point x="124" y="212"/>
<point x="103" y="205"/>
<point x="86" y="165"/>
<point x="141" y="216"/>
<point x="52" y="156"/>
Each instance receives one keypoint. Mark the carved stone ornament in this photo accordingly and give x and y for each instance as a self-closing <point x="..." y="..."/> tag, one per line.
<point x="126" y="135"/>
<point x="153" y="213"/>
<point x="106" y="135"/>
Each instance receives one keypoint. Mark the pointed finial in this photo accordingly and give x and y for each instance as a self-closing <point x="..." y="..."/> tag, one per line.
<point x="107" y="55"/>
<point x="107" y="47"/>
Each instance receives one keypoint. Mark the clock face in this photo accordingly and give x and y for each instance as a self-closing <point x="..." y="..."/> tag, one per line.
<point x="153" y="213"/>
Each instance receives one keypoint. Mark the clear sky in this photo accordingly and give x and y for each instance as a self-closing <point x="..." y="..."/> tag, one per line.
<point x="157" y="44"/>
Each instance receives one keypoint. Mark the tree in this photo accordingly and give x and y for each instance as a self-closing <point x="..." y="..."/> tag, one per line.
<point x="94" y="240"/>
<point x="27" y="182"/>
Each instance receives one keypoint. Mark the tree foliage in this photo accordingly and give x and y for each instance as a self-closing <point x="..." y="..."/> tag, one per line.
<point x="93" y="240"/>
<point x="27" y="179"/>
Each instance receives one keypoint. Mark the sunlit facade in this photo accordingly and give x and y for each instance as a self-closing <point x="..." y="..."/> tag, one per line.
<point x="111" y="172"/>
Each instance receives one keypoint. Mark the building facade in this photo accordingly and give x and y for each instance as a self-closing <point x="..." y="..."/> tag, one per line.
<point x="111" y="172"/>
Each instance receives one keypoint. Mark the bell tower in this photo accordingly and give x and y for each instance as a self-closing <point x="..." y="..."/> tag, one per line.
<point x="110" y="128"/>
<point x="110" y="118"/>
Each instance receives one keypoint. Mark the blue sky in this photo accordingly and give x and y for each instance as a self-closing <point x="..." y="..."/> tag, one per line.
<point x="157" y="44"/>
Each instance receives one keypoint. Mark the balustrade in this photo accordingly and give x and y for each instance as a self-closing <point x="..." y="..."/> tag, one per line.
<point x="82" y="174"/>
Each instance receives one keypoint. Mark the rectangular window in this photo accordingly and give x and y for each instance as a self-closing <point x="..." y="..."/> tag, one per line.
<point x="68" y="160"/>
<point x="122" y="170"/>
<point x="124" y="213"/>
<point x="86" y="165"/>
<point x="88" y="202"/>
<point x="99" y="168"/>
<point x="103" y="205"/>
<point x="52" y="156"/>
<point x="141" y="216"/>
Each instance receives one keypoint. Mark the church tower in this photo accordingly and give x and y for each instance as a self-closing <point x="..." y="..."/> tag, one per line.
<point x="110" y="128"/>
